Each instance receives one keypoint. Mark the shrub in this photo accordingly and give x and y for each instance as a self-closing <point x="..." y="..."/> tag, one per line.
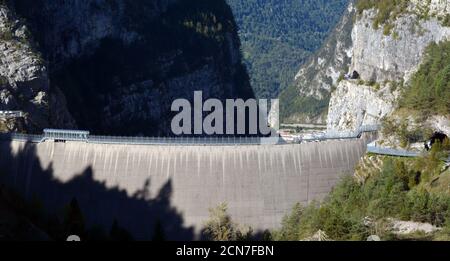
<point x="446" y="20"/>
<point x="3" y="81"/>
<point x="341" y="78"/>
<point x="388" y="29"/>
<point x="387" y="10"/>
<point x="388" y="127"/>
<point x="377" y="86"/>
<point x="446" y="144"/>
<point x="220" y="227"/>
<point x="290" y="225"/>
<point x="423" y="206"/>
<point x="6" y="36"/>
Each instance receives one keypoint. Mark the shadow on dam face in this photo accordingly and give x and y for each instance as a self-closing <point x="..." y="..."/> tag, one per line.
<point x="171" y="188"/>
<point x="140" y="214"/>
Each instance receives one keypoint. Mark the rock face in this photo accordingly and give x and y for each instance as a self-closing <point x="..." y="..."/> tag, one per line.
<point x="381" y="59"/>
<point x="117" y="65"/>
<point x="23" y="75"/>
<point x="409" y="227"/>
<point x="434" y="7"/>
<point x="377" y="57"/>
<point x="353" y="105"/>
<point x="440" y="124"/>
<point x="72" y="28"/>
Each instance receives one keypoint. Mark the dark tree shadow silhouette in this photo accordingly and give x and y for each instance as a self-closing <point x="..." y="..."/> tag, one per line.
<point x="144" y="217"/>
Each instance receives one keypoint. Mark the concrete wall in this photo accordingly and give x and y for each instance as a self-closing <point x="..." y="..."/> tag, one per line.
<point x="260" y="183"/>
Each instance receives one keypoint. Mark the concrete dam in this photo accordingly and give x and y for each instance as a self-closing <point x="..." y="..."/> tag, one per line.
<point x="141" y="186"/>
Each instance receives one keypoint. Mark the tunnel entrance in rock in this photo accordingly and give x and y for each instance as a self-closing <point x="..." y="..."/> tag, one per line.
<point x="437" y="137"/>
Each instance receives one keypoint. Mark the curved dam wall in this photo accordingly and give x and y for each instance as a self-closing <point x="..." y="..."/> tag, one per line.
<point x="174" y="186"/>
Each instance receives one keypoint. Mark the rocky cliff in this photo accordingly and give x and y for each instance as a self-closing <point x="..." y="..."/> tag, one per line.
<point x="318" y="77"/>
<point x="394" y="57"/>
<point x="386" y="58"/>
<point x="23" y="75"/>
<point x="115" y="66"/>
<point x="353" y="105"/>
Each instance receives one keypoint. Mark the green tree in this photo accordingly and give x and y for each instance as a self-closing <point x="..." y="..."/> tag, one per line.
<point x="74" y="220"/>
<point x="353" y="211"/>
<point x="429" y="91"/>
<point x="220" y="227"/>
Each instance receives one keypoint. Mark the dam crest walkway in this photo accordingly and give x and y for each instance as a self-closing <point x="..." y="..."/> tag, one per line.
<point x="84" y="136"/>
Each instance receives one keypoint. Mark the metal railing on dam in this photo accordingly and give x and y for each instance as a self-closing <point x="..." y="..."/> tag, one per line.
<point x="185" y="141"/>
<point x="371" y="148"/>
<point x="84" y="136"/>
<point x="342" y="135"/>
<point x="178" y="141"/>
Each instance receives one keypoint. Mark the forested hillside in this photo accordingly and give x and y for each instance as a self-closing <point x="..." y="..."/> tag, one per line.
<point x="278" y="35"/>
<point x="429" y="92"/>
<point x="392" y="189"/>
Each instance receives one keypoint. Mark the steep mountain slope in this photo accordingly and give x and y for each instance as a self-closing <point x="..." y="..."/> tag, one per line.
<point x="306" y="100"/>
<point x="278" y="35"/>
<point x="118" y="65"/>
<point x="401" y="51"/>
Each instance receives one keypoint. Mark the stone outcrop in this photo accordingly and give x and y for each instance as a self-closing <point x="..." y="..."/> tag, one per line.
<point x="408" y="227"/>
